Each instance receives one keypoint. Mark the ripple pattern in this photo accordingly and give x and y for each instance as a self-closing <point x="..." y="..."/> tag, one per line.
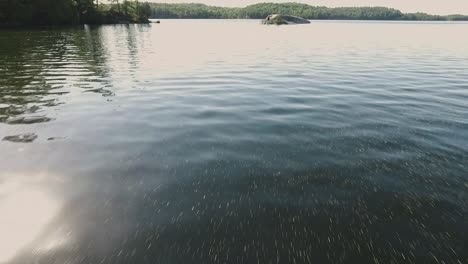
<point x="230" y="142"/>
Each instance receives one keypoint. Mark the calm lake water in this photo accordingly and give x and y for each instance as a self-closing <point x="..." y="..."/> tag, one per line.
<point x="233" y="142"/>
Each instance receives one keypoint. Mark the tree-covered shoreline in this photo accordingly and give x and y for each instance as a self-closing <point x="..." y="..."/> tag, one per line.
<point x="18" y="13"/>
<point x="260" y="11"/>
<point x="72" y="12"/>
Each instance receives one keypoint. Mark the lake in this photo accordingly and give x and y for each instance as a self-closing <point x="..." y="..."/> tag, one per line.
<point x="227" y="141"/>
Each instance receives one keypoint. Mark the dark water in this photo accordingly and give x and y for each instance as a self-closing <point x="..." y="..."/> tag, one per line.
<point x="233" y="142"/>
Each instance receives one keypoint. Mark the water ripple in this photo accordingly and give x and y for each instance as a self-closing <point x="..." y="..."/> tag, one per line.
<point x="231" y="142"/>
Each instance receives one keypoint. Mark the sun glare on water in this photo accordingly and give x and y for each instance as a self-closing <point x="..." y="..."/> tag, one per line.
<point x="25" y="213"/>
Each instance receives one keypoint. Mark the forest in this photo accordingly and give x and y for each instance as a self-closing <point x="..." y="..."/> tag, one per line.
<point x="69" y="12"/>
<point x="260" y="11"/>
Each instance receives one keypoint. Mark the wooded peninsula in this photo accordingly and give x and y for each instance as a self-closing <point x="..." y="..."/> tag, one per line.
<point x="69" y="12"/>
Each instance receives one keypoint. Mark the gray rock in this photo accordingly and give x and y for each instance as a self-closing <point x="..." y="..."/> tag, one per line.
<point x="22" y="138"/>
<point x="277" y="19"/>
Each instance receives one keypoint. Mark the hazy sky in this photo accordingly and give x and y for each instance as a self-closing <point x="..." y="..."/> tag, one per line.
<point x="429" y="6"/>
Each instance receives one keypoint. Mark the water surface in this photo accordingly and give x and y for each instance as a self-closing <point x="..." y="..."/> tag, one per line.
<point x="201" y="141"/>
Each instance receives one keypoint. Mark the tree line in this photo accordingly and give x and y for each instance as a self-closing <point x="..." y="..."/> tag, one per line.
<point x="59" y="12"/>
<point x="63" y="12"/>
<point x="260" y="11"/>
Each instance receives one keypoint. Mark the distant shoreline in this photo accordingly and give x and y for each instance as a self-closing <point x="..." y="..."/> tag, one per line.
<point x="258" y="19"/>
<point x="32" y="14"/>
<point x="260" y="11"/>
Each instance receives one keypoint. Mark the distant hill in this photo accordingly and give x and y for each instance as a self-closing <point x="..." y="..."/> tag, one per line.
<point x="260" y="11"/>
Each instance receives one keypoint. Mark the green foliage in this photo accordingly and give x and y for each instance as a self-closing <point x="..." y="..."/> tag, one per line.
<point x="144" y="10"/>
<point x="192" y="11"/>
<point x="46" y="12"/>
<point x="60" y="12"/>
<point x="457" y="18"/>
<point x="126" y="12"/>
<point x="260" y="11"/>
<point x="39" y="12"/>
<point x="422" y="17"/>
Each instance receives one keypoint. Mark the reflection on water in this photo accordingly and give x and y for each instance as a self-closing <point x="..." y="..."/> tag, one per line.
<point x="230" y="142"/>
<point x="50" y="64"/>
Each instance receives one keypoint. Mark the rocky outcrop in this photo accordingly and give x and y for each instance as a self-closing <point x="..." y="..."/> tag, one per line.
<point x="277" y="19"/>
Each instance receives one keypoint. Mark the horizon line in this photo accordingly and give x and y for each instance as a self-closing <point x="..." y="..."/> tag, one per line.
<point x="434" y="10"/>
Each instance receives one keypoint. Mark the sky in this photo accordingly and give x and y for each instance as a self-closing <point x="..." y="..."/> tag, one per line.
<point x="440" y="7"/>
